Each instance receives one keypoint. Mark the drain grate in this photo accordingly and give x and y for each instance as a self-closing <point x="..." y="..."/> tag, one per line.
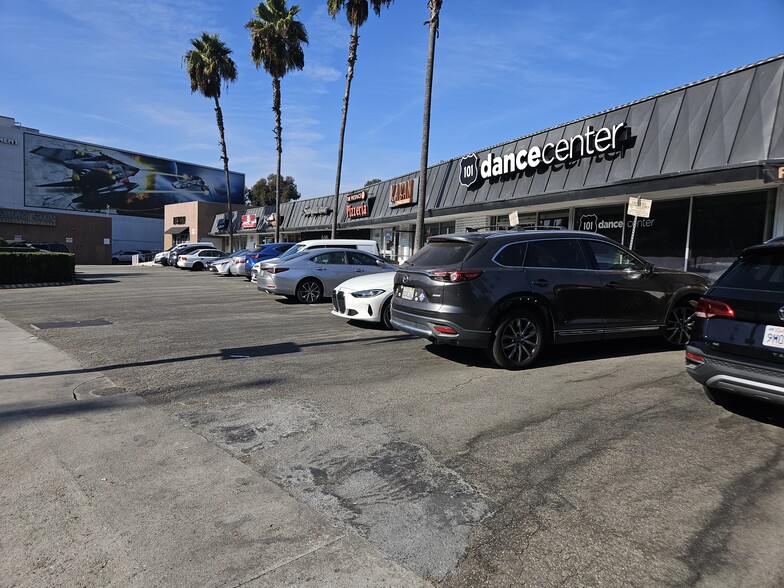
<point x="71" y="324"/>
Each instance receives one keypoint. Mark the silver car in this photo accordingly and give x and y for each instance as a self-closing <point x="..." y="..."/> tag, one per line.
<point x="317" y="273"/>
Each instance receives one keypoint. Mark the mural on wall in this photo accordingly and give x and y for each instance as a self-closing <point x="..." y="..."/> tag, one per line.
<point x="67" y="175"/>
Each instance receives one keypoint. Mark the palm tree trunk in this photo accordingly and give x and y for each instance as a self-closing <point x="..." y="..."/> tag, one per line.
<point x="225" y="158"/>
<point x="352" y="59"/>
<point x="279" y="143"/>
<point x="419" y="233"/>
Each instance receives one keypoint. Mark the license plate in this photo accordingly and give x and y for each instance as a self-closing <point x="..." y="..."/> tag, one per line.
<point x="408" y="293"/>
<point x="773" y="336"/>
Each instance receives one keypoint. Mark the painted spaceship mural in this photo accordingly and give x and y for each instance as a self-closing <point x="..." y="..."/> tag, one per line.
<point x="66" y="175"/>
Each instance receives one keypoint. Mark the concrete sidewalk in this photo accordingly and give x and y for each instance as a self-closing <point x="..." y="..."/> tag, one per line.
<point x="109" y="491"/>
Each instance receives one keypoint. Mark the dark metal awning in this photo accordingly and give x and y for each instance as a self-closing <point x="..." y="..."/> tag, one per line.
<point x="176" y="230"/>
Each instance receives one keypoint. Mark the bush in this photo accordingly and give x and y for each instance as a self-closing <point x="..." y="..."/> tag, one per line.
<point x="22" y="266"/>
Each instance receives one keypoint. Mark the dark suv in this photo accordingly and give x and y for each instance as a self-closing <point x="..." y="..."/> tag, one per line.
<point x="513" y="292"/>
<point x="737" y="345"/>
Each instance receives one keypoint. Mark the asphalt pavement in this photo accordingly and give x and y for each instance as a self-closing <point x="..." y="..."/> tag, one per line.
<point x="99" y="488"/>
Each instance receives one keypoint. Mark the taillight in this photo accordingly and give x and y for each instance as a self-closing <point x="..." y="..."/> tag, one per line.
<point x="444" y="330"/>
<point x="694" y="360"/>
<point x="276" y="270"/>
<point x="453" y="276"/>
<point x="183" y="258"/>
<point x="707" y="308"/>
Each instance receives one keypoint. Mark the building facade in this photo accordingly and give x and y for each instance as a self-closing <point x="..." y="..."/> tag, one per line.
<point x="92" y="198"/>
<point x="702" y="166"/>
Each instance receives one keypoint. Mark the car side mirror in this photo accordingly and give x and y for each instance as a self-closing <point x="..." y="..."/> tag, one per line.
<point x="648" y="268"/>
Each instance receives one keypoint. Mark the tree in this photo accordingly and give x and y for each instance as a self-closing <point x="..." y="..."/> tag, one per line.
<point x="419" y="233"/>
<point x="371" y="182"/>
<point x="263" y="192"/>
<point x="356" y="14"/>
<point x="209" y="67"/>
<point x="276" y="45"/>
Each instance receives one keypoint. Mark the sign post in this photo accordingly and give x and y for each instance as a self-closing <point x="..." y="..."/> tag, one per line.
<point x="638" y="207"/>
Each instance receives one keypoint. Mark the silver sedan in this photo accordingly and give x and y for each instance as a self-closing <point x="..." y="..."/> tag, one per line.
<point x="311" y="276"/>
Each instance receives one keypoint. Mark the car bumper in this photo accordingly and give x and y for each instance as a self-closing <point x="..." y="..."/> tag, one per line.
<point x="426" y="328"/>
<point x="744" y="377"/>
<point x="346" y="306"/>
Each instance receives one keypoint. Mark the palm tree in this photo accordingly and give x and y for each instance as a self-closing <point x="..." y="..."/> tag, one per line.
<point x="209" y="67"/>
<point x="356" y="14"/>
<point x="419" y="233"/>
<point x="276" y="45"/>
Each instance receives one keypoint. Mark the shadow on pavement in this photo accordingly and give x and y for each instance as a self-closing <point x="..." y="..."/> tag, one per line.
<point x="558" y="354"/>
<point x="758" y="410"/>
<point x="224" y="354"/>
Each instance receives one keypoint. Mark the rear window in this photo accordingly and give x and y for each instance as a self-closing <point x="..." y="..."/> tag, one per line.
<point x="756" y="272"/>
<point x="441" y="254"/>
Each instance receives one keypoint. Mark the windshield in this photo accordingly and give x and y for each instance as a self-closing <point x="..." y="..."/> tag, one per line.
<point x="759" y="271"/>
<point x="292" y="252"/>
<point x="440" y="254"/>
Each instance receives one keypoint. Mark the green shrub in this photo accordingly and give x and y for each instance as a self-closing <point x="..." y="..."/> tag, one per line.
<point x="22" y="266"/>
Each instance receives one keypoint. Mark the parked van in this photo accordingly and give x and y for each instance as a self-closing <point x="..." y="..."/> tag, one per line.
<point x="366" y="245"/>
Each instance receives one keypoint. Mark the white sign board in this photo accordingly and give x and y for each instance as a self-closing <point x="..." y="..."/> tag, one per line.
<point x="639" y="207"/>
<point x="514" y="219"/>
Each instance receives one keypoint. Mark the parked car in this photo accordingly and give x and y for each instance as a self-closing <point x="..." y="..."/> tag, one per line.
<point x="512" y="293"/>
<point x="223" y="265"/>
<point x="268" y="251"/>
<point x="196" y="260"/>
<point x="737" y="343"/>
<point x="366" y="245"/>
<point x="184" y="248"/>
<point x="313" y="274"/>
<point x="219" y="266"/>
<point x="126" y="256"/>
<point x="366" y="298"/>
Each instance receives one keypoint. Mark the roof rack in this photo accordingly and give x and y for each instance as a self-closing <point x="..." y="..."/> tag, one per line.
<point x="537" y="228"/>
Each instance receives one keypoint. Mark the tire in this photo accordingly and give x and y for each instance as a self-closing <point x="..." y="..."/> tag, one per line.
<point x="198" y="266"/>
<point x="386" y="315"/>
<point x="309" y="291"/>
<point x="164" y="262"/>
<point x="115" y="261"/>
<point x="678" y="324"/>
<point x="715" y="395"/>
<point x="517" y="340"/>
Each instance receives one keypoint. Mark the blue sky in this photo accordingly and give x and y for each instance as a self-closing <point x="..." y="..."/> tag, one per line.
<point x="110" y="72"/>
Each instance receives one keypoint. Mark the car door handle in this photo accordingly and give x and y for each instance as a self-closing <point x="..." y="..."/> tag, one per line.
<point x="320" y="269"/>
<point x="612" y="285"/>
<point x="359" y="270"/>
<point x="541" y="283"/>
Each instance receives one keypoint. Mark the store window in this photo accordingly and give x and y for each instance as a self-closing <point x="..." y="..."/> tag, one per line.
<point x="721" y="226"/>
<point x="605" y="220"/>
<point x="439" y="229"/>
<point x="661" y="238"/>
<point x="178" y="220"/>
<point x="555" y="218"/>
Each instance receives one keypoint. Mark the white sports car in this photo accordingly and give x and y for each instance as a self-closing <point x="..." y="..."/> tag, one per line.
<point x="366" y="298"/>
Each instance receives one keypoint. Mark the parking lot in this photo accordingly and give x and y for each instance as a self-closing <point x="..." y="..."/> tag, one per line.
<point x="604" y="465"/>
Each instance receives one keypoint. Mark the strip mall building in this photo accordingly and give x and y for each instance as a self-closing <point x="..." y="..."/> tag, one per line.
<point x="708" y="156"/>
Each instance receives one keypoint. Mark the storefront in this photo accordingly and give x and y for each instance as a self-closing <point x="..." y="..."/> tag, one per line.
<point x="705" y="160"/>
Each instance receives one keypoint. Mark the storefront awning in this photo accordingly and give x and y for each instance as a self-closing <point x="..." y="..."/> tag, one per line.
<point x="176" y="230"/>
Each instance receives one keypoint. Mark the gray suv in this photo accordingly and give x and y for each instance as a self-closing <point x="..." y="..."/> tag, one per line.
<point x="514" y="292"/>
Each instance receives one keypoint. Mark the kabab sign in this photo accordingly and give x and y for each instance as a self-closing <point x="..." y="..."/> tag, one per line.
<point x="589" y="143"/>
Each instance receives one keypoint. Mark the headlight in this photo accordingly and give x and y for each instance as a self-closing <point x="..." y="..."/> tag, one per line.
<point x="367" y="293"/>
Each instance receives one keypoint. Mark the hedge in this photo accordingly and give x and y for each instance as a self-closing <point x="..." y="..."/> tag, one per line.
<point x="31" y="267"/>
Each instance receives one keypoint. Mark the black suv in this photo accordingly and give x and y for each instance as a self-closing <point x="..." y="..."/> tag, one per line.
<point x="513" y="292"/>
<point x="737" y="345"/>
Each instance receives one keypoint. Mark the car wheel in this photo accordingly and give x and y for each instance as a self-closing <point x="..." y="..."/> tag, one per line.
<point x="386" y="315"/>
<point x="198" y="266"/>
<point x="115" y="261"/>
<point x="309" y="291"/>
<point x="518" y="340"/>
<point x="716" y="395"/>
<point x="677" y="326"/>
<point x="164" y="262"/>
